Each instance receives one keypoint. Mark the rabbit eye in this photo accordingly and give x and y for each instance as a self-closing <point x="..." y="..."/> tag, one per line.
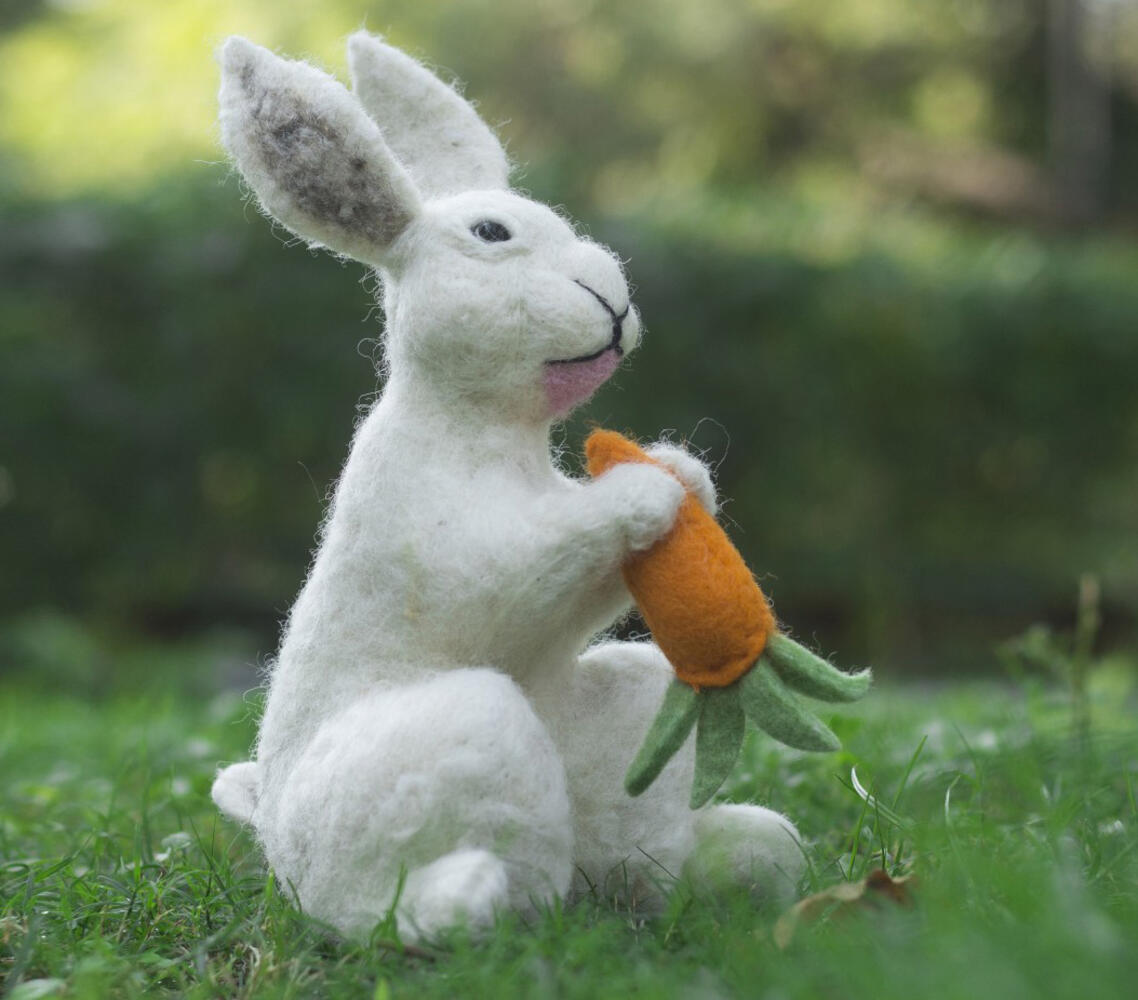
<point x="489" y="231"/>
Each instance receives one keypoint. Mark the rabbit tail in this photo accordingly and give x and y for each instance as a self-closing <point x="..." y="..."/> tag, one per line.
<point x="236" y="790"/>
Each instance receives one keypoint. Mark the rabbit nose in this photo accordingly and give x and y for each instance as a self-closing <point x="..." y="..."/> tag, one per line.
<point x="617" y="318"/>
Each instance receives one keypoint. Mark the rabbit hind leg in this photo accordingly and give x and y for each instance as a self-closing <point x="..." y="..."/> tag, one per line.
<point x="746" y="847"/>
<point x="444" y="799"/>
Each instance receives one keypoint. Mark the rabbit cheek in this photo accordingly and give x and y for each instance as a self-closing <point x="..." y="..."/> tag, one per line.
<point x="570" y="383"/>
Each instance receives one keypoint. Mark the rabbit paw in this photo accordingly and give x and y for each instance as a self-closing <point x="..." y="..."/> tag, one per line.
<point x="689" y="470"/>
<point x="465" y="888"/>
<point x="647" y="501"/>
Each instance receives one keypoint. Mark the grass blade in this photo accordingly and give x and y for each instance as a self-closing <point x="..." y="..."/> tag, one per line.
<point x="874" y="803"/>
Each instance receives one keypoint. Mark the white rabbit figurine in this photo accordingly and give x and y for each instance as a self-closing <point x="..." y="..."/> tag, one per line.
<point x="443" y="732"/>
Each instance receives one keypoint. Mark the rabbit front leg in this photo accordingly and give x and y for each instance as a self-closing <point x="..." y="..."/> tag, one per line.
<point x="598" y="524"/>
<point x="567" y="572"/>
<point x="641" y="501"/>
<point x="634" y="505"/>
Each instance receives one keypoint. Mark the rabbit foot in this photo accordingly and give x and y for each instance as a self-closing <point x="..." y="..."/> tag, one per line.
<point x="462" y="889"/>
<point x="746" y="847"/>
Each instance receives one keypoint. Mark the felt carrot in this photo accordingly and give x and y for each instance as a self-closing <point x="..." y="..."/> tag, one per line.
<point x="715" y="626"/>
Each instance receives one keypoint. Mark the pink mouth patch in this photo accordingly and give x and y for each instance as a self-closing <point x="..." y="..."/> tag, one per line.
<point x="569" y="383"/>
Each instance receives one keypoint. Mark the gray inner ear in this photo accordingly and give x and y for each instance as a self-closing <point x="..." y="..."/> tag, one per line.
<point x="317" y="176"/>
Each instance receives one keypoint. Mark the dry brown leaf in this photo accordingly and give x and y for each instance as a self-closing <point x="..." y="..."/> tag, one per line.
<point x="876" y="886"/>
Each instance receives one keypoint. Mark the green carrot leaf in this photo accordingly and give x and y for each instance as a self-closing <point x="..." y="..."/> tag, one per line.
<point x="717" y="741"/>
<point x="811" y="675"/>
<point x="673" y="722"/>
<point x="771" y="707"/>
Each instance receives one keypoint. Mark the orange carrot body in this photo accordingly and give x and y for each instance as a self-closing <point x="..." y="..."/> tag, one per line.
<point x="696" y="594"/>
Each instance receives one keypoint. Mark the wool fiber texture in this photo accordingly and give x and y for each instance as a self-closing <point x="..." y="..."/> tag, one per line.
<point x="439" y="707"/>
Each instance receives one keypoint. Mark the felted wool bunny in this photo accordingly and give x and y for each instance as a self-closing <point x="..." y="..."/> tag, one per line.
<point x="444" y="734"/>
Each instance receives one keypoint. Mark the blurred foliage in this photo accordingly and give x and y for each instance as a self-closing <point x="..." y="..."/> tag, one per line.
<point x="848" y="251"/>
<point x="613" y="102"/>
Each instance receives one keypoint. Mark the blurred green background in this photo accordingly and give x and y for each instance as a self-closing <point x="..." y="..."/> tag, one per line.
<point x="886" y="252"/>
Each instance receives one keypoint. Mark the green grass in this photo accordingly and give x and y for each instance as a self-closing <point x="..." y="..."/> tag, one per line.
<point x="117" y="878"/>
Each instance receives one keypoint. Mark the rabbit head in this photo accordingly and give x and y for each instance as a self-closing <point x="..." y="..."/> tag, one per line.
<point x="491" y="299"/>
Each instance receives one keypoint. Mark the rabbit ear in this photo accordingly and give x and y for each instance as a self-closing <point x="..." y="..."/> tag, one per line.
<point x="435" y="133"/>
<point x="316" y="161"/>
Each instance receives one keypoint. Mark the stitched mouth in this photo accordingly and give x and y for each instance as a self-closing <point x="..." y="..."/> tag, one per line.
<point x="617" y="330"/>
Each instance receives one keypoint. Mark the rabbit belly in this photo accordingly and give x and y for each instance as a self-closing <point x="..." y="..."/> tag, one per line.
<point x="452" y="781"/>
